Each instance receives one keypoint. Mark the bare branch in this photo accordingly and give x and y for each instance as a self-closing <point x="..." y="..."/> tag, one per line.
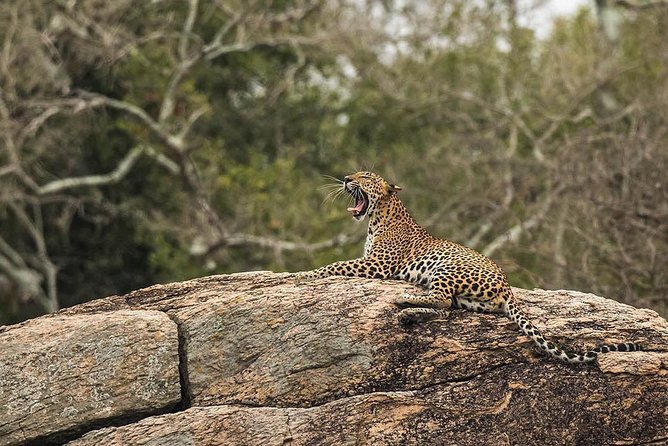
<point x="240" y="239"/>
<point x="123" y="168"/>
<point x="497" y="109"/>
<point x="187" y="29"/>
<point x="480" y="233"/>
<point x="34" y="125"/>
<point x="214" y="51"/>
<point x="168" y="102"/>
<point x="10" y="253"/>
<point x="194" y="116"/>
<point x="644" y="4"/>
<point x="12" y="149"/>
<point x="32" y="228"/>
<point x="224" y="30"/>
<point x="96" y="100"/>
<point x="184" y="65"/>
<point x="25" y="279"/>
<point x="36" y="230"/>
<point x="163" y="160"/>
<point x="5" y="56"/>
<point x="6" y="170"/>
<point x="513" y="234"/>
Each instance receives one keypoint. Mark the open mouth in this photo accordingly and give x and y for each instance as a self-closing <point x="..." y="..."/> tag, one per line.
<point x="361" y="203"/>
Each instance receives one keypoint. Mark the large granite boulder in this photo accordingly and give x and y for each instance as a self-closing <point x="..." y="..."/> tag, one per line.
<point x="263" y="360"/>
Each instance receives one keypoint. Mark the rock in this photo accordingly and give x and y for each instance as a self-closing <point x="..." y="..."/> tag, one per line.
<point x="61" y="375"/>
<point x="290" y="345"/>
<point x="505" y="406"/>
<point x="267" y="361"/>
<point x="213" y="426"/>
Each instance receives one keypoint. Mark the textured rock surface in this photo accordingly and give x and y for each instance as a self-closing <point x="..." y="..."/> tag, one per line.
<point x="313" y="343"/>
<point x="59" y="374"/>
<point x="213" y="426"/>
<point x="266" y="361"/>
<point x="503" y="407"/>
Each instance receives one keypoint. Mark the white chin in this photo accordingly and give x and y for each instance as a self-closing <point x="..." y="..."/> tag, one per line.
<point x="359" y="217"/>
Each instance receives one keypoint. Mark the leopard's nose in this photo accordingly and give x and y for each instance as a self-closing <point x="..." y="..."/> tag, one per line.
<point x="347" y="180"/>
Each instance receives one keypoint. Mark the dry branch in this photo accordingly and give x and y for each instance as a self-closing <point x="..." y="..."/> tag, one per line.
<point x="123" y="168"/>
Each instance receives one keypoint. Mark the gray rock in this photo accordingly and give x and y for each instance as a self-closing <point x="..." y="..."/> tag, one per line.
<point x="267" y="361"/>
<point x="61" y="374"/>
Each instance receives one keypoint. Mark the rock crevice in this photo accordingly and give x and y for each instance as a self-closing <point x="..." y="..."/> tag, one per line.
<point x="185" y="401"/>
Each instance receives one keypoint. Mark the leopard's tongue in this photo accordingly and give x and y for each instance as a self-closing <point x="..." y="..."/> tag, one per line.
<point x="358" y="208"/>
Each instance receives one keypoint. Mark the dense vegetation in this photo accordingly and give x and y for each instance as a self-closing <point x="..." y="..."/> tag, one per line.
<point x="145" y="142"/>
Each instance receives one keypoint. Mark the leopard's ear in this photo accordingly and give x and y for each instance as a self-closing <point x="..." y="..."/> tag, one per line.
<point x="394" y="188"/>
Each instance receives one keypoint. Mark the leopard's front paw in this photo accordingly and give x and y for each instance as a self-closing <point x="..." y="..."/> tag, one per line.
<point x="404" y="300"/>
<point x="410" y="316"/>
<point x="302" y="276"/>
<point x="412" y="300"/>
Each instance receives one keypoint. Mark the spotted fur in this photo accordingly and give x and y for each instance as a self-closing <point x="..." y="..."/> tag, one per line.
<point x="455" y="276"/>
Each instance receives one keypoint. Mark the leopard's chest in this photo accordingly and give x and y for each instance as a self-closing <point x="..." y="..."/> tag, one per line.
<point x="368" y="245"/>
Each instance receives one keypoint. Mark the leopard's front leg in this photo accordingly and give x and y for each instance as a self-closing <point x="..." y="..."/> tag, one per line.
<point x="365" y="267"/>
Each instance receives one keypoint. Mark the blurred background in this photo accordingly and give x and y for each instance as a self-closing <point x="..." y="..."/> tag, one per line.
<point x="155" y="141"/>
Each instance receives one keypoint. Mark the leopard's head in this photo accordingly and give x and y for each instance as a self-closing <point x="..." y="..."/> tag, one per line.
<point x="368" y="190"/>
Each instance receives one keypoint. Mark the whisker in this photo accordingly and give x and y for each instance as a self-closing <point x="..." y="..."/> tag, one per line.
<point x="329" y="177"/>
<point x="333" y="194"/>
<point x="330" y="192"/>
<point x="329" y="186"/>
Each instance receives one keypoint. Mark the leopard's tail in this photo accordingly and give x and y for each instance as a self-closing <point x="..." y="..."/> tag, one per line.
<point x="512" y="310"/>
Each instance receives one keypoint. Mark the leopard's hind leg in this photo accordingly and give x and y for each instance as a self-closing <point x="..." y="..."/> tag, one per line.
<point x="433" y="305"/>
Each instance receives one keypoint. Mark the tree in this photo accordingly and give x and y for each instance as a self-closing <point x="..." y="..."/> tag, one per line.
<point x="163" y="140"/>
<point x="143" y="75"/>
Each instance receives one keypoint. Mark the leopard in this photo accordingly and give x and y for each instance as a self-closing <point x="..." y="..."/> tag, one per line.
<point x="454" y="276"/>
